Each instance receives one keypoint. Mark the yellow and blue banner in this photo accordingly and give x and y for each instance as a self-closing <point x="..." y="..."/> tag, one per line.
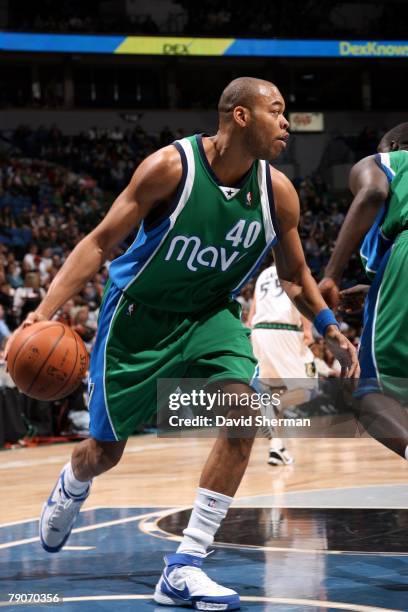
<point x="167" y="45"/>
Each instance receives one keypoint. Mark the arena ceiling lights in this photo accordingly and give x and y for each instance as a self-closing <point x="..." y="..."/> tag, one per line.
<point x="164" y="45"/>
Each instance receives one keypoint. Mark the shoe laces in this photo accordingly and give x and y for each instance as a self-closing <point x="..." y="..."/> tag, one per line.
<point x="196" y="577"/>
<point x="60" y="517"/>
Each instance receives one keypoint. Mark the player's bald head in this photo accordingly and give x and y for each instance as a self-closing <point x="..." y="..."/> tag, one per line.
<point x="394" y="139"/>
<point x="251" y="117"/>
<point x="244" y="91"/>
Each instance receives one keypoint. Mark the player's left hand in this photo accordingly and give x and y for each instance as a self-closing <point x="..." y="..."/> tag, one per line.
<point x="344" y="351"/>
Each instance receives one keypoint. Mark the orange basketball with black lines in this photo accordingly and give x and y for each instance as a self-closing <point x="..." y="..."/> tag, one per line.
<point x="47" y="360"/>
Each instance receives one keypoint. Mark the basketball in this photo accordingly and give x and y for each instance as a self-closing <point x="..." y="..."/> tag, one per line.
<point x="47" y="360"/>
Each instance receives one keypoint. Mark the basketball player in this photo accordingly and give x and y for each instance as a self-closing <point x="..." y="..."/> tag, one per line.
<point x="280" y="338"/>
<point x="378" y="218"/>
<point x="208" y="210"/>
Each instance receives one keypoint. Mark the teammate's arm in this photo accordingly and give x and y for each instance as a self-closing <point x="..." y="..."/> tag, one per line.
<point x="154" y="181"/>
<point x="294" y="273"/>
<point x="369" y="186"/>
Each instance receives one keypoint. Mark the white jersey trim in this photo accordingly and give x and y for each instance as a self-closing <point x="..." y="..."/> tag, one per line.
<point x="269" y="230"/>
<point x="270" y="233"/>
<point x="386" y="163"/>
<point x="188" y="186"/>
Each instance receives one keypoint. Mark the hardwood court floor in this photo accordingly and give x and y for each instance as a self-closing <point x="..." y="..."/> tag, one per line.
<point x="164" y="472"/>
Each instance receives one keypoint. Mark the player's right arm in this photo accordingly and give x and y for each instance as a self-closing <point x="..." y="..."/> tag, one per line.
<point x="154" y="181"/>
<point x="369" y="186"/>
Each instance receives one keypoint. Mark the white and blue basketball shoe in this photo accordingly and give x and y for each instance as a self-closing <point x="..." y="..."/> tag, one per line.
<point x="59" y="514"/>
<point x="183" y="583"/>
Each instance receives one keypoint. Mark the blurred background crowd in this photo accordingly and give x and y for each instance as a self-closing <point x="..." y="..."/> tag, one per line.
<point x="231" y="18"/>
<point x="58" y="175"/>
<point x="55" y="188"/>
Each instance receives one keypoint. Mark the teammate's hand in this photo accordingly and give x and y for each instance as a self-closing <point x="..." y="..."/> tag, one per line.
<point x="352" y="299"/>
<point x="344" y="351"/>
<point x="330" y="291"/>
<point x="32" y="317"/>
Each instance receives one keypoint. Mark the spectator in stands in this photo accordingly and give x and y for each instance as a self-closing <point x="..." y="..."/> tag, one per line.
<point x="14" y="277"/>
<point x="91" y="295"/>
<point x="66" y="313"/>
<point x="28" y="297"/>
<point x="45" y="209"/>
<point x="45" y="264"/>
<point x="7" y="300"/>
<point x="31" y="259"/>
<point x="84" y="325"/>
<point x="4" y="328"/>
<point x="116" y="134"/>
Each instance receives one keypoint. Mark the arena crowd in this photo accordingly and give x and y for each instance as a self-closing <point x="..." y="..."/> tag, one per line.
<point x="231" y="18"/>
<point x="55" y="188"/>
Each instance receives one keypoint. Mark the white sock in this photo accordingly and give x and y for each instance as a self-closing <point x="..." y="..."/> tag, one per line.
<point x="72" y="484"/>
<point x="406" y="453"/>
<point x="209" y="509"/>
<point x="276" y="444"/>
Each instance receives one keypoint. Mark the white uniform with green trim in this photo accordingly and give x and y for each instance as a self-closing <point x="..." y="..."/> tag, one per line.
<point x="277" y="334"/>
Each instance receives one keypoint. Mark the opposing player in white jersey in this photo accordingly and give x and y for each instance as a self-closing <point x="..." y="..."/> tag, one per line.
<point x="280" y="339"/>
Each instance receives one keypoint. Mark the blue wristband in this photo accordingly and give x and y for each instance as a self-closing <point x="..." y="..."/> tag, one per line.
<point x="323" y="319"/>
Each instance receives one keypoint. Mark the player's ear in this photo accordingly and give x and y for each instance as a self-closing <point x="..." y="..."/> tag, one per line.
<point x="241" y="115"/>
<point x="394" y="146"/>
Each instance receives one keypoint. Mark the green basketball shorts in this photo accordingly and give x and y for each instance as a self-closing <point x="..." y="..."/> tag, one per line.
<point x="137" y="344"/>
<point x="384" y="344"/>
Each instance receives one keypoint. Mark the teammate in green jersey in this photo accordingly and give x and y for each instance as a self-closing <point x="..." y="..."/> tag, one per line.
<point x="379" y="214"/>
<point x="209" y="209"/>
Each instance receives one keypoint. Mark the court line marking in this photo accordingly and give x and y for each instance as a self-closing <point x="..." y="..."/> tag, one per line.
<point x="88" y="509"/>
<point x="249" y="598"/>
<point x="250" y="498"/>
<point x="165" y="535"/>
<point x="254" y="598"/>
<point x="79" y="547"/>
<point x="285" y="503"/>
<point x="153" y="527"/>
<point x="128" y="519"/>
<point x="21" y="522"/>
<point x="36" y="519"/>
<point x="143" y="517"/>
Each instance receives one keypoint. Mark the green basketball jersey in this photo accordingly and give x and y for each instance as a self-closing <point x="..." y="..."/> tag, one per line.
<point x="395" y="165"/>
<point x="208" y="245"/>
<point x="392" y="219"/>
